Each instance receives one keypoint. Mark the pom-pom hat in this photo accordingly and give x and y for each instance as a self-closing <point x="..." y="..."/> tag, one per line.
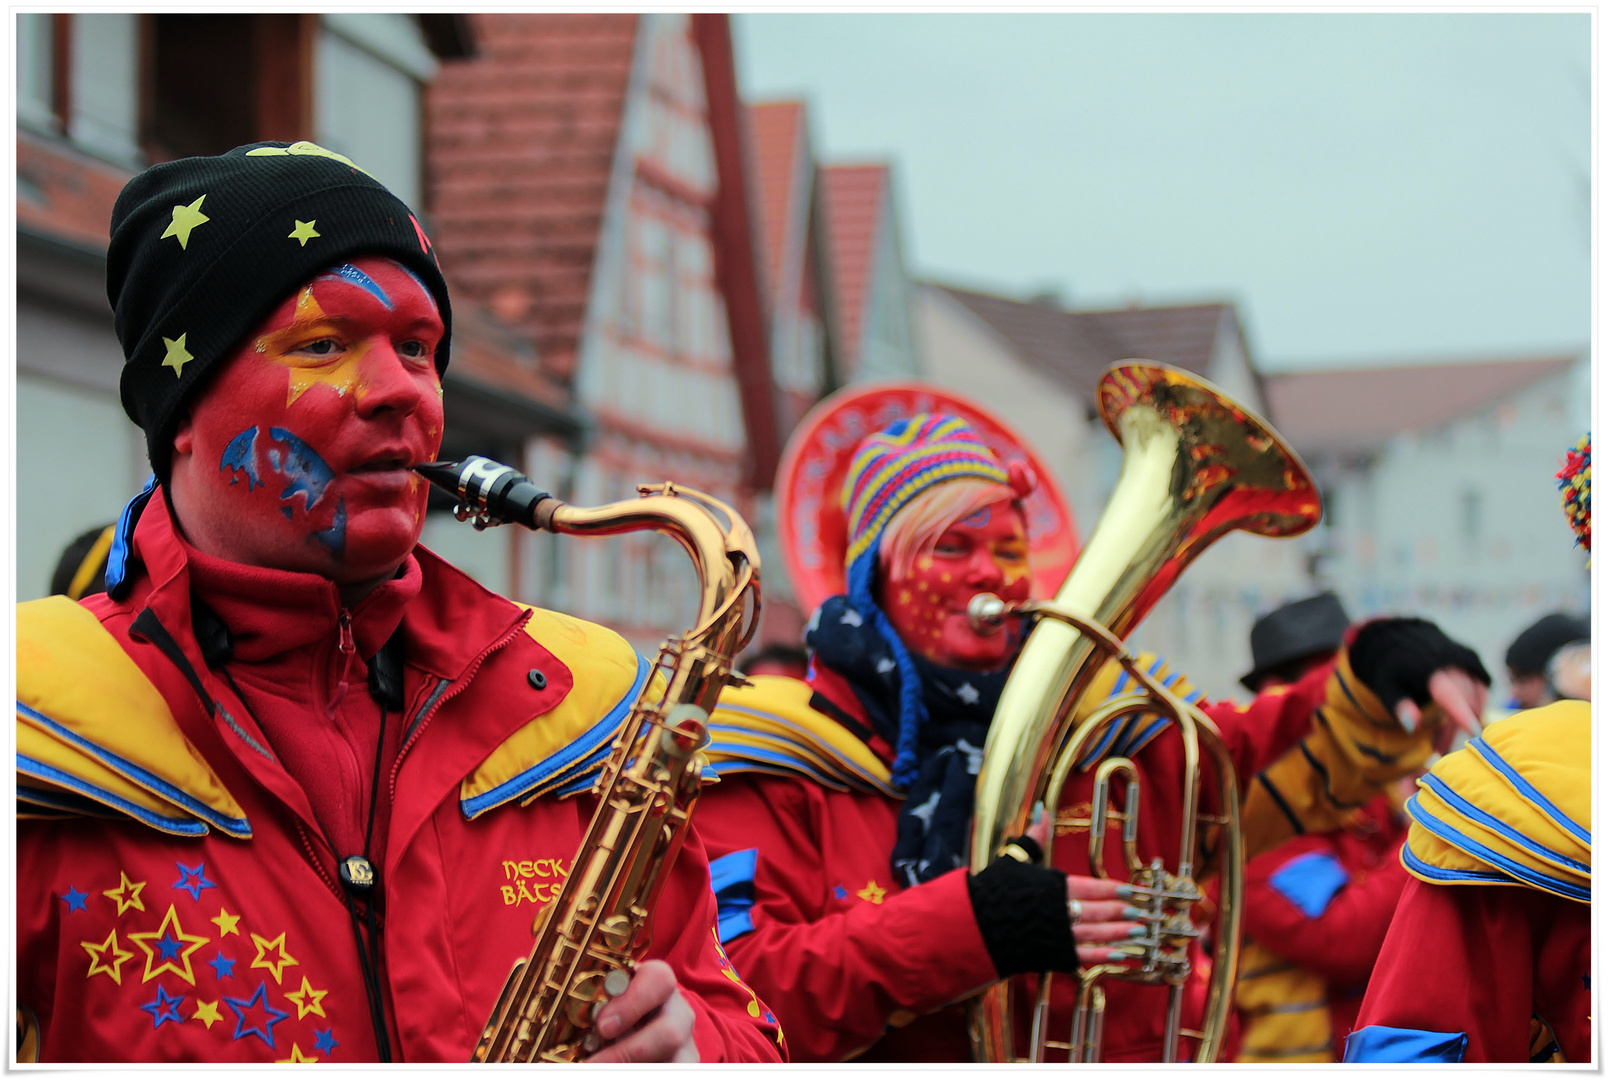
<point x="890" y="468"/>
<point x="1574" y="480"/>
<point x="204" y="248"/>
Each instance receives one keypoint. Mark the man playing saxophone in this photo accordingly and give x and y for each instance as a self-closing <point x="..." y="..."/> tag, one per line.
<point x="294" y="788"/>
<point x="839" y="831"/>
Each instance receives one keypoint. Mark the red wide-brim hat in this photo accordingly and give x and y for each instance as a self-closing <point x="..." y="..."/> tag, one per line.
<point x="812" y="526"/>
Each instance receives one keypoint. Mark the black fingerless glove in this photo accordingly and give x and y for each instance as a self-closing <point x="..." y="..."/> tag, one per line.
<point x="1021" y="910"/>
<point x="1395" y="658"/>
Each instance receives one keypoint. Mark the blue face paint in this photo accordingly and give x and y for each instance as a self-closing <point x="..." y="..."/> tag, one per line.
<point x="348" y="272"/>
<point x="301" y="465"/>
<point x="241" y="456"/>
<point x="977" y="520"/>
<point x="334" y="537"/>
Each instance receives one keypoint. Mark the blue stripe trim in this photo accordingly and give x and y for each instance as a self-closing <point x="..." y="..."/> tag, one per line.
<point x="117" y="556"/>
<point x="1440" y="873"/>
<point x="238" y="827"/>
<point x="1377" y="1043"/>
<point x="63" y="801"/>
<point x="1497" y="825"/>
<point x="576" y="780"/>
<point x="805" y="739"/>
<point x="1512" y="868"/>
<point x="732" y="879"/>
<point x="567" y="757"/>
<point x="27" y="766"/>
<point x="1529" y="793"/>
<point x="770" y="756"/>
<point x="1310" y="881"/>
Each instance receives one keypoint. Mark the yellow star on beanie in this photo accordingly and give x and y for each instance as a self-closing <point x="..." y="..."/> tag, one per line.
<point x="185" y="218"/>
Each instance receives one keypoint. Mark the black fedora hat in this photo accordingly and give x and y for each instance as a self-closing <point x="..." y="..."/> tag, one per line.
<point x="1293" y="632"/>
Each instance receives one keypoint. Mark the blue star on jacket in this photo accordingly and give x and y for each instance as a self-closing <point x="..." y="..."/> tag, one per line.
<point x="75" y="899"/>
<point x="168" y="947"/>
<point x="262" y="1027"/>
<point x="164" y="1008"/>
<point x="222" y="966"/>
<point x="193" y="879"/>
<point x="324" y="1040"/>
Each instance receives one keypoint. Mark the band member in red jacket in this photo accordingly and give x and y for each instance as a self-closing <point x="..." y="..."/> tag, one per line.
<point x="839" y="832"/>
<point x="1488" y="957"/>
<point x="1317" y="906"/>
<point x="291" y="788"/>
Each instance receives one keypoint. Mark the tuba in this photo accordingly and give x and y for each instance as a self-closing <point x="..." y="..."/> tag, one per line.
<point x="597" y="926"/>
<point x="1196" y="465"/>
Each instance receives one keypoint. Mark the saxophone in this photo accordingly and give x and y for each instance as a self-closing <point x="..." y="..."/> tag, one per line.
<point x="589" y="937"/>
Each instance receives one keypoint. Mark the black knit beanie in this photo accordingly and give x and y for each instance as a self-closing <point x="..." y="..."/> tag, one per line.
<point x="204" y="248"/>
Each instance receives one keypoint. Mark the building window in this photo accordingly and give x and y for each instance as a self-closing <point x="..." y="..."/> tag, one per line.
<point x="103" y="101"/>
<point x="215" y="82"/>
<point x="1471" y="517"/>
<point x="36" y="69"/>
<point x="369" y="68"/>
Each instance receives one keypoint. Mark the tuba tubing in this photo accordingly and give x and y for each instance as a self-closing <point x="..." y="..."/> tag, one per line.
<point x="1196" y="465"/>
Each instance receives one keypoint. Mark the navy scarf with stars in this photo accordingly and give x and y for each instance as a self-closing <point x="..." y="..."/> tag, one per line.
<point x="935" y="821"/>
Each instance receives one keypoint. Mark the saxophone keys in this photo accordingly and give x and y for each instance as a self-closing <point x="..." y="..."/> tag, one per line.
<point x="616" y="931"/>
<point x="616" y="982"/>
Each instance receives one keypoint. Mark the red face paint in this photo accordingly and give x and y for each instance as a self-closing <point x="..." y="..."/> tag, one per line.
<point x="298" y="456"/>
<point x="986" y="552"/>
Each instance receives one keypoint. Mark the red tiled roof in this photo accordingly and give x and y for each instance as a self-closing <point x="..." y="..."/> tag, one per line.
<point x="1076" y="347"/>
<point x="852" y="197"/>
<point x="1362" y="407"/>
<point x="775" y="129"/>
<point x="521" y="143"/>
<point x="64" y="194"/>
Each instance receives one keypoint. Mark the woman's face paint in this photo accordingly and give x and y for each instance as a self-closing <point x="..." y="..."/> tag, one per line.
<point x="299" y="455"/>
<point x="986" y="552"/>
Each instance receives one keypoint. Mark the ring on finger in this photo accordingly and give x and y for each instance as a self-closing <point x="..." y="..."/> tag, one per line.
<point x="1074" y="909"/>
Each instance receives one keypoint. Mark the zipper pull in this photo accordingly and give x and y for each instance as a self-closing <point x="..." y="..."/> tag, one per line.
<point x="348" y="647"/>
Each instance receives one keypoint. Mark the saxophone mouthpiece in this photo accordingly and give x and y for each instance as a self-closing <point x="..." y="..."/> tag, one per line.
<point x="488" y="492"/>
<point x="987" y="613"/>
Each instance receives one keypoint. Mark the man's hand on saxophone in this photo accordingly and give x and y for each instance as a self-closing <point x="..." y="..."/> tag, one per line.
<point x="650" y="1022"/>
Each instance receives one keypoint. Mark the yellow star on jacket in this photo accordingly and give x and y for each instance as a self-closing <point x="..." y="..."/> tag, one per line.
<point x="207" y="1013"/>
<point x="304" y="231"/>
<point x="303" y="1005"/>
<point x="295" y="1057"/>
<point x="177" y="355"/>
<point x="275" y="966"/>
<point x="97" y="958"/>
<point x="127" y="894"/>
<point x="185" y="218"/>
<point x="227" y="923"/>
<point x="169" y="938"/>
<point x="872" y="892"/>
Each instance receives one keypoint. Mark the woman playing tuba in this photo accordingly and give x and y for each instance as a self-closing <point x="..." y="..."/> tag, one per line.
<point x="839" y="835"/>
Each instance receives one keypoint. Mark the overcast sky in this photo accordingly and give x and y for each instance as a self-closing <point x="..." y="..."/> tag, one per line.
<point x="1366" y="187"/>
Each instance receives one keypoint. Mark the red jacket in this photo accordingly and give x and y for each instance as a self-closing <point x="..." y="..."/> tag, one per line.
<point x="1318" y="905"/>
<point x="855" y="966"/>
<point x="139" y="943"/>
<point x="1481" y="961"/>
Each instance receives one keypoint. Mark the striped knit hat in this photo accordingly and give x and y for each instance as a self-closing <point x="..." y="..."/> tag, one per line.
<point x="889" y="469"/>
<point x="1574" y="480"/>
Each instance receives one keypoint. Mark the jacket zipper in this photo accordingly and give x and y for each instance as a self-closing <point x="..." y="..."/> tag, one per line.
<point x="453" y="691"/>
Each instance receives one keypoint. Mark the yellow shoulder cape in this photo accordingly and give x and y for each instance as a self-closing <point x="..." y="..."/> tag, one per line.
<point x="560" y="751"/>
<point x="769" y="727"/>
<point x="1513" y="807"/>
<point x="95" y="738"/>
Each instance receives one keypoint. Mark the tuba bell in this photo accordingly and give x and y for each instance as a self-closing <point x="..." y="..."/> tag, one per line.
<point x="1196" y="465"/>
